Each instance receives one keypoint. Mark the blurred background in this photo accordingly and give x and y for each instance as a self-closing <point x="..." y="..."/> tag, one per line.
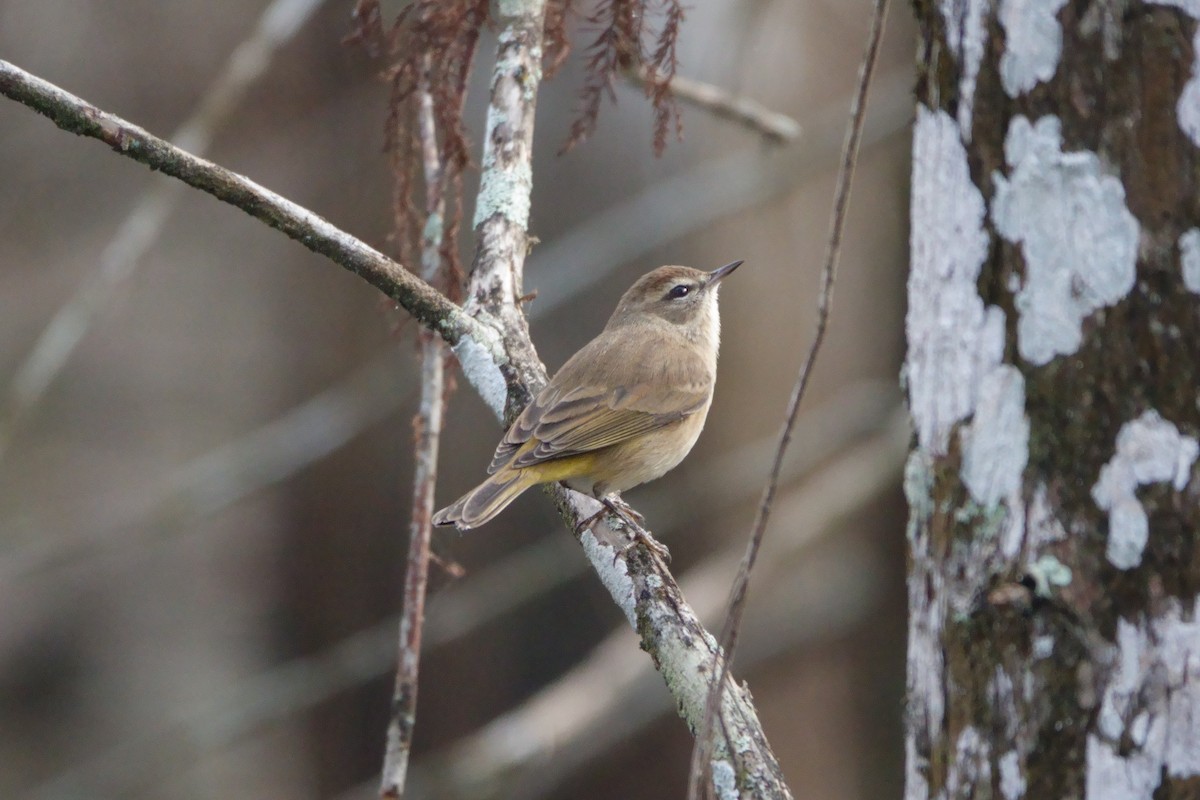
<point x="205" y="464"/>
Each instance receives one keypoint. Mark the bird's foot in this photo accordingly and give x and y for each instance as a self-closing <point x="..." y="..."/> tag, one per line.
<point x="636" y="521"/>
<point x="615" y="505"/>
<point x="590" y="521"/>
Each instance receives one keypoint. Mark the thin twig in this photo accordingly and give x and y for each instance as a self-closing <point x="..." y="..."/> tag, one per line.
<point x="429" y="428"/>
<point x="774" y="126"/>
<point x="425" y="303"/>
<point x="208" y="484"/>
<point x="701" y="776"/>
<point x="137" y="233"/>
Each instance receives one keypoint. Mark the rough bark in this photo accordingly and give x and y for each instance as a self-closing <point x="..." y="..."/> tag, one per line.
<point x="1052" y="373"/>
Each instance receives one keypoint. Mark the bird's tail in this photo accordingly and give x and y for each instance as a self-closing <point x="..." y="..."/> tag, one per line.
<point x="486" y="500"/>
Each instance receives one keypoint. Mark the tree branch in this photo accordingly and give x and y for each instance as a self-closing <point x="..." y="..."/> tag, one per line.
<point x="420" y="299"/>
<point x="775" y="127"/>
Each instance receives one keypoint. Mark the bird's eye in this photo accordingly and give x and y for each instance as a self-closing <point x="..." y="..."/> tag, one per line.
<point x="678" y="291"/>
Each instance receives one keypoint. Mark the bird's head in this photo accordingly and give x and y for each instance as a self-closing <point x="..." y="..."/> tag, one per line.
<point x="680" y="295"/>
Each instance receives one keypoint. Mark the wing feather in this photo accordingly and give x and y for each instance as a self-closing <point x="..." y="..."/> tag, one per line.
<point x="571" y="416"/>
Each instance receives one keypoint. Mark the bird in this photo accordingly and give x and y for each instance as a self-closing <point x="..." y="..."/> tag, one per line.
<point x="624" y="410"/>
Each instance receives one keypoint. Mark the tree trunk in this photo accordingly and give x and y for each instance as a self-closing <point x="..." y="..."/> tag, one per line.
<point x="1052" y="373"/>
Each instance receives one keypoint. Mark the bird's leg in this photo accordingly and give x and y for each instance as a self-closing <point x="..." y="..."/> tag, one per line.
<point x="616" y="505"/>
<point x="590" y="521"/>
<point x="612" y="503"/>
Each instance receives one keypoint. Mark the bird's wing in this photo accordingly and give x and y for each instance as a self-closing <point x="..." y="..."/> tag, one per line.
<point x="629" y="394"/>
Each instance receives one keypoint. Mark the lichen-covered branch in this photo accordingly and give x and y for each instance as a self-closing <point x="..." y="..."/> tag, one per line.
<point x="682" y="650"/>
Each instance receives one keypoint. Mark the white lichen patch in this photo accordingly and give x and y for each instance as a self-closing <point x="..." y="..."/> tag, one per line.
<point x="926" y="615"/>
<point x="972" y="766"/>
<point x="916" y="787"/>
<point x="995" y="448"/>
<point x="1148" y="715"/>
<point x="1189" y="256"/>
<point x="481" y="370"/>
<point x="613" y="572"/>
<point x="1149" y="450"/>
<point x="503" y="190"/>
<point x="724" y="780"/>
<point x="1012" y="779"/>
<point x="1033" y="43"/>
<point x="995" y="445"/>
<point x="953" y="341"/>
<point x="1078" y="238"/>
<point x="1043" y="646"/>
<point x="966" y="36"/>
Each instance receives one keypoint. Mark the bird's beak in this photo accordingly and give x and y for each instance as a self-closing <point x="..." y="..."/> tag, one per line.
<point x="716" y="275"/>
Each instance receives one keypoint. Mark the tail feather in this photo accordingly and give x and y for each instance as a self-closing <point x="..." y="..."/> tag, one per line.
<point x="486" y="500"/>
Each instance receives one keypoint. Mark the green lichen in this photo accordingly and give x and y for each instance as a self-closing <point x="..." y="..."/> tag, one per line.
<point x="1048" y="571"/>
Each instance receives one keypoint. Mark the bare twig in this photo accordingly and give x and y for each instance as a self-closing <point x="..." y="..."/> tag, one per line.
<point x="428" y="434"/>
<point x="702" y="777"/>
<point x="774" y="126"/>
<point x="121" y="256"/>
<point x="211" y="482"/>
<point x="420" y="299"/>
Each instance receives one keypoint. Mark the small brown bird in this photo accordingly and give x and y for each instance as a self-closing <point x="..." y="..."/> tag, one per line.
<point x="623" y="410"/>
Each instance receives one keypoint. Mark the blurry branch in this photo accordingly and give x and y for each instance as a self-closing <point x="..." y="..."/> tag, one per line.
<point x="420" y="299"/>
<point x="612" y="695"/>
<point x="775" y="127"/>
<point x="461" y="609"/>
<point x="428" y="425"/>
<point x="219" y="478"/>
<point x="702" y="752"/>
<point x="121" y="256"/>
<point x="578" y="260"/>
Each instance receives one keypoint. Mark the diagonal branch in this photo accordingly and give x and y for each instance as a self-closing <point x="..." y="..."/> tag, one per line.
<point x="774" y="126"/>
<point x="420" y="299"/>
